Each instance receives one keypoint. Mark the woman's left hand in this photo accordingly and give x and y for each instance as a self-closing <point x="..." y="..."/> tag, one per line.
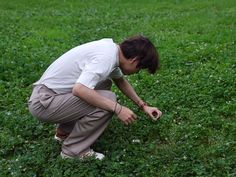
<point x="153" y="112"/>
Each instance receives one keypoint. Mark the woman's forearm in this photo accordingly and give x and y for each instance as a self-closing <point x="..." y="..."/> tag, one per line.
<point x="128" y="90"/>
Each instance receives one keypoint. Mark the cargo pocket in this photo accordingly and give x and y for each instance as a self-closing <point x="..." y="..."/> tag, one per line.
<point x="46" y="96"/>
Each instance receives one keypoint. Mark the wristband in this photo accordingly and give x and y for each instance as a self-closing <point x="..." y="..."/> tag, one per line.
<point x="119" y="110"/>
<point x="115" y="108"/>
<point x="141" y="106"/>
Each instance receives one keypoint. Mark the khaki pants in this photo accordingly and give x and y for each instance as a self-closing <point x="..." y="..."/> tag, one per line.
<point x="84" y="122"/>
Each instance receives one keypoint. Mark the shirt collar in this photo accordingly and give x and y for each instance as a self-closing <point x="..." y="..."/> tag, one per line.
<point x="117" y="56"/>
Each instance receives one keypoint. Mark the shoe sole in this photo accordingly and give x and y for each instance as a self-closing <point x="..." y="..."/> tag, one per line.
<point x="64" y="156"/>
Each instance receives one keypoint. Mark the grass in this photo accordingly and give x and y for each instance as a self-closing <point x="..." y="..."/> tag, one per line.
<point x="195" y="87"/>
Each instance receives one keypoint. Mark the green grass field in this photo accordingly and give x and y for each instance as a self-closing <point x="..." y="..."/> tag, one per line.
<point x="195" y="88"/>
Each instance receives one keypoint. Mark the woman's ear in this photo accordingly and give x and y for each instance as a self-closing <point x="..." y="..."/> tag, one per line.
<point x="133" y="59"/>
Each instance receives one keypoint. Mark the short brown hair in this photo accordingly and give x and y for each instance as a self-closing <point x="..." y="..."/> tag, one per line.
<point x="143" y="49"/>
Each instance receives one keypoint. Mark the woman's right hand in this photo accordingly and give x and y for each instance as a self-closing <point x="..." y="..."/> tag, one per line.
<point x="126" y="115"/>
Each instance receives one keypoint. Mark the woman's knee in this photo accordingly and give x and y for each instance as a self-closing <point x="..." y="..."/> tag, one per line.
<point x="112" y="96"/>
<point x="108" y="94"/>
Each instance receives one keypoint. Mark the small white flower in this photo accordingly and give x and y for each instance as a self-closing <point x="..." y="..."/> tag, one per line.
<point x="136" y="141"/>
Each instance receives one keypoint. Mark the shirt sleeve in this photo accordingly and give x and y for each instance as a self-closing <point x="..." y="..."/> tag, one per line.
<point x="93" y="72"/>
<point x="116" y="73"/>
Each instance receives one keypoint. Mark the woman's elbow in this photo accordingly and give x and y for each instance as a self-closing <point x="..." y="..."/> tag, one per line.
<point x="76" y="90"/>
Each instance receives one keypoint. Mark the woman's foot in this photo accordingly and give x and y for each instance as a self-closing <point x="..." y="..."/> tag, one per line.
<point x="89" y="153"/>
<point x="60" y="135"/>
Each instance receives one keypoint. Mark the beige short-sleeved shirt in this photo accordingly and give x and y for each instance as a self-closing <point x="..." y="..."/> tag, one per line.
<point x="87" y="64"/>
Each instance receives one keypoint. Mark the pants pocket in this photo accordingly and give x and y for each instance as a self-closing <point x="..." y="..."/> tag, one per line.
<point x="46" y="96"/>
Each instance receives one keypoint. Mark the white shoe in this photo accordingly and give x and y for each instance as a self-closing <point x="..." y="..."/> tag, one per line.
<point x="90" y="153"/>
<point x="65" y="156"/>
<point x="60" y="140"/>
<point x="60" y="135"/>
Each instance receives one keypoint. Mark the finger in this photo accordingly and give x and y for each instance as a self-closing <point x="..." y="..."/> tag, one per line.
<point x="126" y="123"/>
<point x="131" y="119"/>
<point x="134" y="116"/>
<point x="154" y="115"/>
<point x="159" y="113"/>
